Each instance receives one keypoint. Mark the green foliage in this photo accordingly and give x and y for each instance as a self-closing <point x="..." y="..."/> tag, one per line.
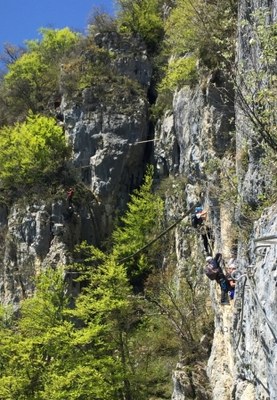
<point x="140" y="225"/>
<point x="206" y="29"/>
<point x="212" y="165"/>
<point x="199" y="35"/>
<point x="25" y="349"/>
<point x="180" y="27"/>
<point x="107" y="343"/>
<point x="179" y="73"/>
<point x="31" y="151"/>
<point x="49" y="356"/>
<point x="143" y="17"/>
<point x="92" y="67"/>
<point x="184" y="306"/>
<point x="47" y="306"/>
<point x="25" y="81"/>
<point x="86" y="66"/>
<point x="152" y="353"/>
<point x="55" y="44"/>
<point x="32" y="80"/>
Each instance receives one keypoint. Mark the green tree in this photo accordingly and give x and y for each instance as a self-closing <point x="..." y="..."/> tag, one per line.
<point x="107" y="343"/>
<point x="26" y="346"/>
<point x="206" y="29"/>
<point x="32" y="80"/>
<point x="143" y="17"/>
<point x="54" y="45"/>
<point x="25" y="81"/>
<point x="180" y="72"/>
<point x="140" y="224"/>
<point x="56" y="352"/>
<point x="199" y="36"/>
<point x="31" y="151"/>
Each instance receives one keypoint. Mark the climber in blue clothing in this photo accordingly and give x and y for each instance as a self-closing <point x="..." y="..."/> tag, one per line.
<point x="198" y="216"/>
<point x="214" y="271"/>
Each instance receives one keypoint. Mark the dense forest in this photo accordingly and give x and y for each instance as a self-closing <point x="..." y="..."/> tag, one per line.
<point x="120" y="334"/>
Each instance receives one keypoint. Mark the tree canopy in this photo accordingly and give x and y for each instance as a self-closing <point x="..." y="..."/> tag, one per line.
<point x="32" y="79"/>
<point x="31" y="151"/>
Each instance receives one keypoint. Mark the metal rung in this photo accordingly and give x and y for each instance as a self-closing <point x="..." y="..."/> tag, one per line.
<point x="265" y="241"/>
<point x="272" y="239"/>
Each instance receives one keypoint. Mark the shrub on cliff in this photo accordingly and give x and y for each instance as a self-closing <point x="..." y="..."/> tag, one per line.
<point x="143" y="17"/>
<point x="180" y="72"/>
<point x="33" y="79"/>
<point x="31" y="151"/>
<point x="206" y="29"/>
<point x="199" y="36"/>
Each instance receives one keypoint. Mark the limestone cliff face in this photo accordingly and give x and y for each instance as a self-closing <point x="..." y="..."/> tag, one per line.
<point x="195" y="142"/>
<point x="103" y="134"/>
<point x="255" y="334"/>
<point x="35" y="236"/>
<point x="199" y="146"/>
<point x="107" y="164"/>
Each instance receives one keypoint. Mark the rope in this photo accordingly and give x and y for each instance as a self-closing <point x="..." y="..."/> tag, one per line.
<point x="143" y="141"/>
<point x="242" y="310"/>
<point x="157" y="237"/>
<point x="152" y="241"/>
<point x="208" y="239"/>
<point x="271" y="327"/>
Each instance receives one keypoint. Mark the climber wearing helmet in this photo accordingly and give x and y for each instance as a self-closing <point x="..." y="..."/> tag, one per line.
<point x="69" y="197"/>
<point x="214" y="271"/>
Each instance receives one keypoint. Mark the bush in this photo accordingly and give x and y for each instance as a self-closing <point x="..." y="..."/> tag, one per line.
<point x="86" y="66"/>
<point x="33" y="79"/>
<point x="31" y="151"/>
<point x="179" y="72"/>
<point x="143" y="17"/>
<point x="206" y="29"/>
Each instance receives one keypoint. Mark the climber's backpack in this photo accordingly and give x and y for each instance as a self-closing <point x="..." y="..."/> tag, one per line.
<point x="211" y="272"/>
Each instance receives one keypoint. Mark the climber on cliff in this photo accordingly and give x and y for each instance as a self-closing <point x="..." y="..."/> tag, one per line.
<point x="231" y="268"/>
<point x="70" y="208"/>
<point x="198" y="216"/>
<point x="69" y="196"/>
<point x="214" y="271"/>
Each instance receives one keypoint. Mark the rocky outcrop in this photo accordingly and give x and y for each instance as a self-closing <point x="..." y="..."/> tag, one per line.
<point x="105" y="154"/>
<point x="104" y="133"/>
<point x="107" y="162"/>
<point x="206" y="162"/>
<point x="255" y="334"/>
<point x="39" y="236"/>
<point x="195" y="142"/>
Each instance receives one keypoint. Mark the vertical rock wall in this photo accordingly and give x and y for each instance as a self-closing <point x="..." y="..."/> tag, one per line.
<point x="194" y="145"/>
<point x="38" y="231"/>
<point x="255" y="329"/>
<point x="254" y="335"/>
<point x="196" y="142"/>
